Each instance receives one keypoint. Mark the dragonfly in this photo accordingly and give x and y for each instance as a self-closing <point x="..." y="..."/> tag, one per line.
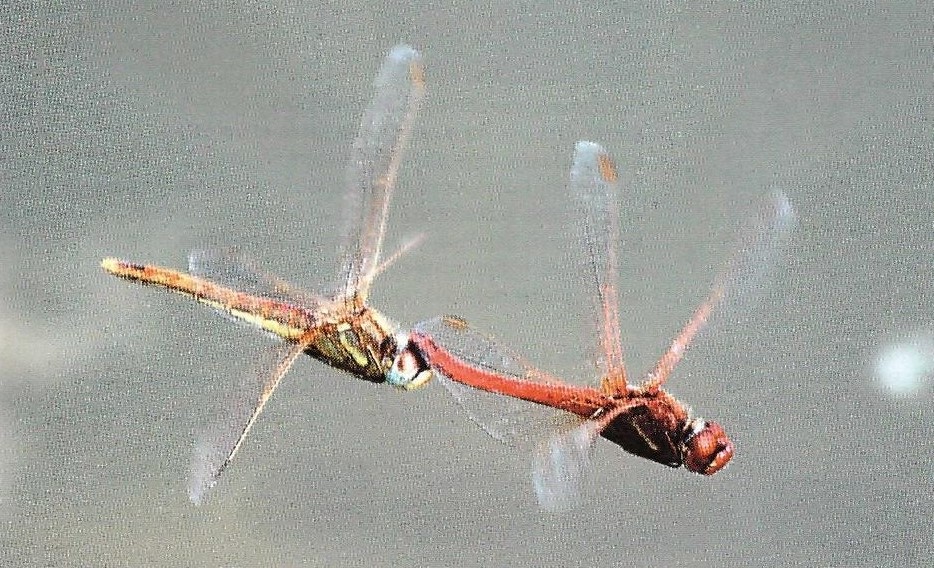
<point x="642" y="418"/>
<point x="341" y="330"/>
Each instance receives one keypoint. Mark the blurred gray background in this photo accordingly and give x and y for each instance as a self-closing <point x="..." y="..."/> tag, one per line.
<point x="144" y="131"/>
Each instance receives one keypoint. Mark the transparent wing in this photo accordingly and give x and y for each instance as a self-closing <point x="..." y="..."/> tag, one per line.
<point x="516" y="403"/>
<point x="480" y="362"/>
<point x="238" y="271"/>
<point x="594" y="186"/>
<point x="499" y="409"/>
<point x="374" y="162"/>
<point x="561" y="466"/>
<point x="762" y="244"/>
<point x="510" y="420"/>
<point x="559" y="442"/>
<point x="216" y="448"/>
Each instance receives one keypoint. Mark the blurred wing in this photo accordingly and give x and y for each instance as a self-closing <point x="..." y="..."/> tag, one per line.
<point x="594" y="186"/>
<point x="763" y="242"/>
<point x="561" y="466"/>
<point x="486" y="358"/>
<point x="238" y="271"/>
<point x="374" y="162"/>
<point x="216" y="448"/>
<point x="560" y="442"/>
<point x="762" y="245"/>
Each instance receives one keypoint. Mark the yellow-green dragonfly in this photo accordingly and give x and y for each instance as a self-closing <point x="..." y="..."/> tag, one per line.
<point x="342" y="330"/>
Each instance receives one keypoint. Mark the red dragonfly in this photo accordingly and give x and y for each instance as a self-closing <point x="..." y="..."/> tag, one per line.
<point x="644" y="419"/>
<point x="342" y="330"/>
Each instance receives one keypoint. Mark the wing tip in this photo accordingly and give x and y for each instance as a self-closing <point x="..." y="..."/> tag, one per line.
<point x="404" y="53"/>
<point x="204" y="473"/>
<point x="784" y="212"/>
<point x="199" y="488"/>
<point x="592" y="157"/>
<point x="588" y="147"/>
<point x="561" y="467"/>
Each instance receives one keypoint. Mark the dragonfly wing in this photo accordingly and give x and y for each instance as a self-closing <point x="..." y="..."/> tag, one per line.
<point x="510" y="420"/>
<point x="499" y="409"/>
<point x="216" y="448"/>
<point x="557" y="441"/>
<point x="238" y="271"/>
<point x="496" y="387"/>
<point x="762" y="243"/>
<point x="594" y="186"/>
<point x="561" y="466"/>
<point x="374" y="162"/>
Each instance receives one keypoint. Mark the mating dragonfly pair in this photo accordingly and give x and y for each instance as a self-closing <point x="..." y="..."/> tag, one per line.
<point x="346" y="333"/>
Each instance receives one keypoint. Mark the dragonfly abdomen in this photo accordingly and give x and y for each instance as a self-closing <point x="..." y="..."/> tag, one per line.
<point x="283" y="320"/>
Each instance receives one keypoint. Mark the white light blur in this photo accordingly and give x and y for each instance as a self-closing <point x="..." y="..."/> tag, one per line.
<point x="905" y="368"/>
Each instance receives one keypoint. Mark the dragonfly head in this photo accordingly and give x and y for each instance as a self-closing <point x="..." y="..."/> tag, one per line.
<point x="706" y="447"/>
<point x="409" y="369"/>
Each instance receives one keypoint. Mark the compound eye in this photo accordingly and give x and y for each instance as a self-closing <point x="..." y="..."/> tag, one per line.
<point x="707" y="448"/>
<point x="409" y="370"/>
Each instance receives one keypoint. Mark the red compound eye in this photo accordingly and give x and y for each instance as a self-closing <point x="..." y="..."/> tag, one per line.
<point x="708" y="449"/>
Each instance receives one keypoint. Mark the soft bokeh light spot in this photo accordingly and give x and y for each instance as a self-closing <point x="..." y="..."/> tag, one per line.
<point x="904" y="368"/>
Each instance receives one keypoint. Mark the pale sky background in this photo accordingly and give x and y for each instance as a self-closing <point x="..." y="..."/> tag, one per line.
<point x="145" y="131"/>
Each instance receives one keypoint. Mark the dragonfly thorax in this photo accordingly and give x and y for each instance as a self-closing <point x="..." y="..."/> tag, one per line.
<point x="651" y="428"/>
